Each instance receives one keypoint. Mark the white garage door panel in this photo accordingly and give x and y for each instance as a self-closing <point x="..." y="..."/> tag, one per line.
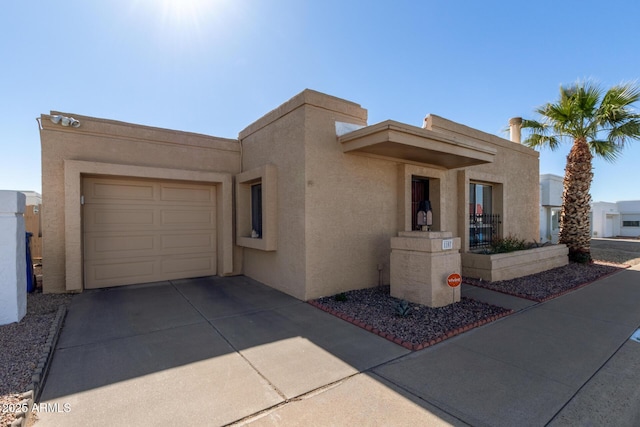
<point x="181" y="194"/>
<point x="138" y="231"/>
<point x="176" y="267"/>
<point x="121" y="273"/>
<point x="203" y="242"/>
<point x="185" y="219"/>
<point x="99" y="217"/>
<point x="121" y="191"/>
<point x="106" y="245"/>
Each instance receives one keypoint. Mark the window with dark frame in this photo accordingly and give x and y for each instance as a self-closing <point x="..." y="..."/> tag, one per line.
<point x="256" y="209"/>
<point x="483" y="223"/>
<point x="419" y="193"/>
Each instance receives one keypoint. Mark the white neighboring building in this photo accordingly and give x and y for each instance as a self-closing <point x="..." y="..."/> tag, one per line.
<point x="550" y="206"/>
<point x="608" y="219"/>
<point x="615" y="219"/>
<point x="33" y="197"/>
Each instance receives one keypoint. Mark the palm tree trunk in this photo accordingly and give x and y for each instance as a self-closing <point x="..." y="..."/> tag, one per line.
<point x="575" y="228"/>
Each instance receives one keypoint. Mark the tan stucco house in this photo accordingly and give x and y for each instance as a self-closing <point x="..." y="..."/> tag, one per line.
<point x="306" y="200"/>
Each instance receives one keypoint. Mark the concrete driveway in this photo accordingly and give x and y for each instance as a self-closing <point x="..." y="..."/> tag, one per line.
<point x="215" y="351"/>
<point x="206" y="351"/>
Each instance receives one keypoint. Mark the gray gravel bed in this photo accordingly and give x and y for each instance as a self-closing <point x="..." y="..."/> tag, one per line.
<point x="551" y="283"/>
<point x="22" y="344"/>
<point x="375" y="310"/>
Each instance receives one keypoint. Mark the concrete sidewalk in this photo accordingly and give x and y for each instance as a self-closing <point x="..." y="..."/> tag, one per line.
<point x="215" y="351"/>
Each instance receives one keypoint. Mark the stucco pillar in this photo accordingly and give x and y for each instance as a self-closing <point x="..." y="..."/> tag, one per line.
<point x="13" y="263"/>
<point x="420" y="264"/>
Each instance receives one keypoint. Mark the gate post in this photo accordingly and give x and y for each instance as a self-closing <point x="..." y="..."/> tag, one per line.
<point x="421" y="261"/>
<point x="13" y="257"/>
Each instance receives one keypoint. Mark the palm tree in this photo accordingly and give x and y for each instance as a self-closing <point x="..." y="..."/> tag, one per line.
<point x="597" y="123"/>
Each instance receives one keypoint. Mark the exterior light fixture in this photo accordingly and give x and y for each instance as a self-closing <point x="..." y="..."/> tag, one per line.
<point x="65" y="121"/>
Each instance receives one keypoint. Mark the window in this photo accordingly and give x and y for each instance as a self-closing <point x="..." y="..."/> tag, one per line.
<point x="630" y="219"/>
<point x="256" y="208"/>
<point x="555" y="220"/>
<point x="483" y="223"/>
<point x="479" y="199"/>
<point x="419" y="193"/>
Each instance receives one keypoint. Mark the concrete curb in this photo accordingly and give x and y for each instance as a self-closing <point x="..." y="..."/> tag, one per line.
<point x="40" y="374"/>
<point x="413" y="347"/>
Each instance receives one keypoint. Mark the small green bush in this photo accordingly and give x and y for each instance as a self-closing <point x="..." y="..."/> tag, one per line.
<point x="508" y="244"/>
<point x="580" y="257"/>
<point x="403" y="308"/>
<point x="340" y="297"/>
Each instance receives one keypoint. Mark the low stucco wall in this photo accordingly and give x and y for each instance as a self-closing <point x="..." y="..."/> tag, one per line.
<point x="13" y="262"/>
<point x="495" y="267"/>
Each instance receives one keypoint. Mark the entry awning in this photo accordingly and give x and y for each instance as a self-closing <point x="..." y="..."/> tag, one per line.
<point x="402" y="142"/>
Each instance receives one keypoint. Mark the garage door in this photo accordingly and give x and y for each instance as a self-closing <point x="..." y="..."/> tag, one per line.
<point x="139" y="231"/>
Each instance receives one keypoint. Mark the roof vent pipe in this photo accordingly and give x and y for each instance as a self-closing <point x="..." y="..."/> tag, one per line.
<point x="515" y="129"/>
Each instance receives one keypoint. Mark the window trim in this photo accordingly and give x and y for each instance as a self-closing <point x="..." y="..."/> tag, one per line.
<point x="266" y="176"/>
<point x="479" y="226"/>
<point x="436" y="177"/>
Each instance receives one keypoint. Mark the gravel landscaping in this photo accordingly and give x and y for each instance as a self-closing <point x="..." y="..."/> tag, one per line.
<point x="551" y="283"/>
<point x="375" y="310"/>
<point x="22" y="344"/>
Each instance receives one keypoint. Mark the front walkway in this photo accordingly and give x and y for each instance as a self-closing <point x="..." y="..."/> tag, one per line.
<point x="216" y="350"/>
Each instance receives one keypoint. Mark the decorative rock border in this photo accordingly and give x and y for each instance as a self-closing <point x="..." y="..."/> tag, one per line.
<point x="406" y="344"/>
<point x="39" y="375"/>
<point x="21" y="416"/>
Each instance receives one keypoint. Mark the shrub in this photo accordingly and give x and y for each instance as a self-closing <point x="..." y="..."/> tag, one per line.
<point x="340" y="297"/>
<point x="580" y="256"/>
<point x="403" y="308"/>
<point x="508" y="244"/>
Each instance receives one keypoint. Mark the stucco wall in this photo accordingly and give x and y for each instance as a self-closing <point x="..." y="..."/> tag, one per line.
<point x="106" y="145"/>
<point x="335" y="212"/>
<point x="278" y="139"/>
<point x="514" y="174"/>
<point x="600" y="213"/>
<point x="551" y="190"/>
<point x="338" y="211"/>
<point x="629" y="211"/>
<point x="351" y="210"/>
<point x="324" y="199"/>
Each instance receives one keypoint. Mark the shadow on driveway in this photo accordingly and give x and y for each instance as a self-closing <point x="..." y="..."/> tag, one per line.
<point x="212" y="351"/>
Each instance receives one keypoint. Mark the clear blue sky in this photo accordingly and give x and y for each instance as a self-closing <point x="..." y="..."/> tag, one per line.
<point x="214" y="66"/>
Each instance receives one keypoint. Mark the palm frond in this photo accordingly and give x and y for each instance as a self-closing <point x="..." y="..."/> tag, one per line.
<point x="588" y="96"/>
<point x="605" y="149"/>
<point x="536" y="140"/>
<point x="534" y="126"/>
<point x="622" y="95"/>
<point x="630" y="129"/>
<point x="606" y="120"/>
<point x="616" y="104"/>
